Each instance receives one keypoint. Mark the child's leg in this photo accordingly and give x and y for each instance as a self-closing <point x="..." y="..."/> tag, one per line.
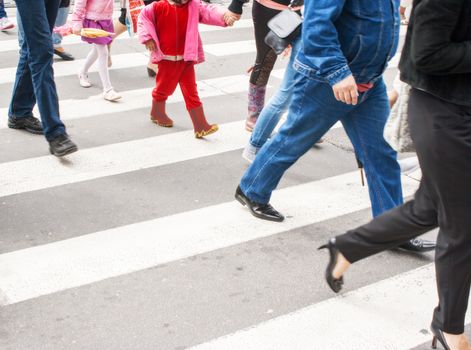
<point x="193" y="102"/>
<point x="102" y="66"/>
<point x="91" y="58"/>
<point x="166" y="82"/>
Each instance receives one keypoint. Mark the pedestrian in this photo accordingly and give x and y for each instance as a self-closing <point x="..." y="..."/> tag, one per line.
<point x="61" y="19"/>
<point x="169" y="29"/>
<point x="5" y="23"/>
<point x="96" y="14"/>
<point x="120" y="27"/>
<point x="262" y="12"/>
<point x="436" y="62"/>
<point x="274" y="109"/>
<point x="346" y="46"/>
<point x="35" y="78"/>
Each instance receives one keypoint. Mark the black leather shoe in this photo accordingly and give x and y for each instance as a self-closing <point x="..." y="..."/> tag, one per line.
<point x="64" y="55"/>
<point x="261" y="211"/>
<point x="62" y="146"/>
<point x="418" y="245"/>
<point x="334" y="283"/>
<point x="30" y="124"/>
<point x="438" y="335"/>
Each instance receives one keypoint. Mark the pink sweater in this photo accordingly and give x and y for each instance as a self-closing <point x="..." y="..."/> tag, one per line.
<point x="198" y="12"/>
<point x="91" y="9"/>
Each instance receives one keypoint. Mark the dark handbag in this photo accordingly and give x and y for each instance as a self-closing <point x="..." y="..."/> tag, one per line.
<point x="284" y="28"/>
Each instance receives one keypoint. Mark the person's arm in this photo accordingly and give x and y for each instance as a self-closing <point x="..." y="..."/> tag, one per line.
<point x="236" y="6"/>
<point x="80" y="8"/>
<point x="432" y="50"/>
<point x="321" y="47"/>
<point x="212" y="15"/>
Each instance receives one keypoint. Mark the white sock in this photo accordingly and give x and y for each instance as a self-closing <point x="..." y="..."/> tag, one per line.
<point x="91" y="58"/>
<point x="102" y="66"/>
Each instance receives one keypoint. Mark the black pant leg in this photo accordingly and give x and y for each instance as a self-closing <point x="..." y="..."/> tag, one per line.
<point x="442" y="132"/>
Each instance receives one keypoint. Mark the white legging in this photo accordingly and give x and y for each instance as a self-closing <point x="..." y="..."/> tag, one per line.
<point x="100" y="52"/>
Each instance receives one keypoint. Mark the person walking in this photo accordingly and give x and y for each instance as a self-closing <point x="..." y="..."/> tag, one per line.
<point x="96" y="14"/>
<point x="436" y="62"/>
<point x="346" y="47"/>
<point x="61" y="19"/>
<point x="5" y="23"/>
<point x="35" y="77"/>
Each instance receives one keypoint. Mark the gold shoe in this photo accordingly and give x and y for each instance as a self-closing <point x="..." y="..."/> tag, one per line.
<point x="203" y="133"/>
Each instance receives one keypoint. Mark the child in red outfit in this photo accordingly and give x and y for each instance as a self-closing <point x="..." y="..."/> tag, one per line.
<point x="169" y="29"/>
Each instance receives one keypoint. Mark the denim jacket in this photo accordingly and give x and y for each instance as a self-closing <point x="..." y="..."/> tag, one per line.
<point x="345" y="37"/>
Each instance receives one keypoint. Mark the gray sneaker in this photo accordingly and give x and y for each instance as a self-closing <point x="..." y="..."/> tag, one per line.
<point x="249" y="153"/>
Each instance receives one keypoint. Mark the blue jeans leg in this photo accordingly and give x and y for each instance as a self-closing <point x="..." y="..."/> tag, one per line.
<point x="278" y="104"/>
<point x="2" y="9"/>
<point x="35" y="66"/>
<point x="312" y="113"/>
<point x="364" y="126"/>
<point x="61" y="19"/>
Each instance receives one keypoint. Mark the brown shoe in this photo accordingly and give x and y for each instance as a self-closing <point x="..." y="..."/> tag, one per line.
<point x="158" y="115"/>
<point x="200" y="125"/>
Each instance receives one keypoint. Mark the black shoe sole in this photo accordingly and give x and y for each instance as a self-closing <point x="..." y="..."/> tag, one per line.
<point x="31" y="131"/>
<point x="242" y="201"/>
<point x="65" y="152"/>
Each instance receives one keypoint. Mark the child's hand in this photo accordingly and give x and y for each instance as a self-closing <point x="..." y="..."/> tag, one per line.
<point x="150" y="45"/>
<point x="77" y="31"/>
<point x="230" y="17"/>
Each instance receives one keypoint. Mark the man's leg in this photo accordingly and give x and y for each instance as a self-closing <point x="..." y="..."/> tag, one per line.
<point x="38" y="18"/>
<point x="312" y="113"/>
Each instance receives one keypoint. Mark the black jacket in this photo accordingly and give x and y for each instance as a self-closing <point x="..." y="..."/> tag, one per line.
<point x="436" y="57"/>
<point x="64" y="3"/>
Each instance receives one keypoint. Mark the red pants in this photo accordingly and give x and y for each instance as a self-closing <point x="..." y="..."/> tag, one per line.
<point x="172" y="73"/>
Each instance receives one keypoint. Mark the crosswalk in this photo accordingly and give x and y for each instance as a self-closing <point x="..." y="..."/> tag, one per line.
<point x="135" y="242"/>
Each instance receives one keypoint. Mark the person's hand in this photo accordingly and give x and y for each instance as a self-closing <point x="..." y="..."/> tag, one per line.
<point x="230" y="17"/>
<point x="346" y="91"/>
<point x="150" y="45"/>
<point x="77" y="31"/>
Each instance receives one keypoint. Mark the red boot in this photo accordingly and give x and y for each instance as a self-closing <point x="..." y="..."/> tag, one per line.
<point x="158" y="115"/>
<point x="201" y="126"/>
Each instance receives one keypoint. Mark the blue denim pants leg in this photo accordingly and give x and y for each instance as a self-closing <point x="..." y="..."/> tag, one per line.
<point x="2" y="9"/>
<point x="35" y="76"/>
<point x="278" y="104"/>
<point x="61" y="19"/>
<point x="364" y="126"/>
<point x="312" y="113"/>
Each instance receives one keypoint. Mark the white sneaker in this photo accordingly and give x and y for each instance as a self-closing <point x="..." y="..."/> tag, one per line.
<point x="5" y="24"/>
<point x="249" y="153"/>
<point x="84" y="81"/>
<point x="111" y="95"/>
<point x="409" y="165"/>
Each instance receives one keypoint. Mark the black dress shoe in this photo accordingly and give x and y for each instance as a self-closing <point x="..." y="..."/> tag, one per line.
<point x="418" y="245"/>
<point x="151" y="73"/>
<point x="64" y="55"/>
<point x="30" y="124"/>
<point x="62" y="146"/>
<point x="438" y="335"/>
<point x="261" y="211"/>
<point x="334" y="283"/>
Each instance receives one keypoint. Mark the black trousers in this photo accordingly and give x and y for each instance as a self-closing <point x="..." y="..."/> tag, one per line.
<point x="442" y="135"/>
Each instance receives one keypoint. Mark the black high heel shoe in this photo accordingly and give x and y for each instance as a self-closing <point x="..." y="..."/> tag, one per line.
<point x="438" y="336"/>
<point x="334" y="283"/>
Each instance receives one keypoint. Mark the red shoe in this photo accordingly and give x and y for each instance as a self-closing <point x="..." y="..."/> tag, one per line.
<point x="200" y="125"/>
<point x="158" y="115"/>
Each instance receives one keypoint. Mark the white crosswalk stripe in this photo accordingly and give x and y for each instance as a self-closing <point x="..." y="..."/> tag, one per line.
<point x="36" y="267"/>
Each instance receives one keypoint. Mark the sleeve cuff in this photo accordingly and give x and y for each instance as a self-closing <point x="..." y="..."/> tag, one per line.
<point x="236" y="7"/>
<point x="339" y="75"/>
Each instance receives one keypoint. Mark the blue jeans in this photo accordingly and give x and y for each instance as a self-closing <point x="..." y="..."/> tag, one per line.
<point x="61" y="19"/>
<point x="278" y="104"/>
<point x="312" y="113"/>
<point x="34" y="76"/>
<point x="2" y="10"/>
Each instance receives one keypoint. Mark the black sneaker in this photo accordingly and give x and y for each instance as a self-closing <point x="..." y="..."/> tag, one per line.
<point x="30" y="124"/>
<point x="62" y="146"/>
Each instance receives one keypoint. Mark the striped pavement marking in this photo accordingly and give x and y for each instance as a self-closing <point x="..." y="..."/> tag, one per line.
<point x="32" y="272"/>
<point x="44" y="172"/>
<point x="12" y="45"/>
<point x="368" y="318"/>
<point x="141" y="98"/>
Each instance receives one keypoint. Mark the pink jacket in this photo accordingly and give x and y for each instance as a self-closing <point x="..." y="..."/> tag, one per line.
<point x="198" y="12"/>
<point x="91" y="9"/>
